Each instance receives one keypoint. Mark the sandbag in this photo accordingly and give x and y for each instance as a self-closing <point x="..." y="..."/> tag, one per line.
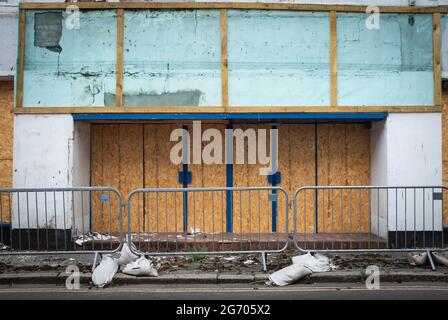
<point x="289" y="275"/>
<point x="126" y="255"/>
<point x="439" y="259"/>
<point x="105" y="271"/>
<point x="418" y="259"/>
<point x="315" y="262"/>
<point x="140" y="267"/>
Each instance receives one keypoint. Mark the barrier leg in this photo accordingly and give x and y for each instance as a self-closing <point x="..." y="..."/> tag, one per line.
<point x="433" y="267"/>
<point x="95" y="258"/>
<point x="263" y="260"/>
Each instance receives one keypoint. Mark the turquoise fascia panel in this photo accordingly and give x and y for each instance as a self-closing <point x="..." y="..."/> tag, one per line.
<point x="172" y="58"/>
<point x="278" y="58"/>
<point x="75" y="69"/>
<point x="389" y="66"/>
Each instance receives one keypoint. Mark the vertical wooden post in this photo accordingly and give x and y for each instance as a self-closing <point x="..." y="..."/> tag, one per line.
<point x="224" y="61"/>
<point x="333" y="61"/>
<point x="21" y="60"/>
<point x="119" y="74"/>
<point x="436" y="52"/>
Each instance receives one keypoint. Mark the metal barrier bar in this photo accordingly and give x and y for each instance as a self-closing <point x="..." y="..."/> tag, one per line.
<point x="54" y="220"/>
<point x="251" y="220"/>
<point x="377" y="219"/>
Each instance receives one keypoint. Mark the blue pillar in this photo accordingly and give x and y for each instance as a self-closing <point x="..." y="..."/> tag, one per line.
<point x="229" y="182"/>
<point x="185" y="177"/>
<point x="274" y="179"/>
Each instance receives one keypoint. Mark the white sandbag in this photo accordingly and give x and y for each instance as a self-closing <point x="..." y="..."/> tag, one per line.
<point x="418" y="259"/>
<point x="315" y="262"/>
<point x="126" y="255"/>
<point x="439" y="259"/>
<point x="289" y="275"/>
<point x="105" y="271"/>
<point x="140" y="267"/>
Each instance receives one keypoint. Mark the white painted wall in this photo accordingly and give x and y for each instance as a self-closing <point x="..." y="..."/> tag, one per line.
<point x="406" y="150"/>
<point x="42" y="145"/>
<point x="50" y="151"/>
<point x="80" y="176"/>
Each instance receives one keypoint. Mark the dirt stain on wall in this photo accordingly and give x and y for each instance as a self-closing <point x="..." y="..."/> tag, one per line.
<point x="178" y="98"/>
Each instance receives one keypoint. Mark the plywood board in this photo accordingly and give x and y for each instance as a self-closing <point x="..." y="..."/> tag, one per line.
<point x="6" y="120"/>
<point x="164" y="210"/>
<point x="252" y="211"/>
<point x="130" y="156"/>
<point x="5" y="182"/>
<point x="6" y="144"/>
<point x="131" y="164"/>
<point x="117" y="161"/>
<point x="358" y="174"/>
<point x="205" y="209"/>
<point x="343" y="160"/>
<point x="297" y="165"/>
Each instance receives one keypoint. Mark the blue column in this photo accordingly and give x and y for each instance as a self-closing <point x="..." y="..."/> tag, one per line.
<point x="185" y="177"/>
<point x="229" y="181"/>
<point x="274" y="179"/>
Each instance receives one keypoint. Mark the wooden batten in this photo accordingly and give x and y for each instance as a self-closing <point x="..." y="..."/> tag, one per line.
<point x="231" y="5"/>
<point x="436" y="64"/>
<point x="119" y="75"/>
<point x="333" y="60"/>
<point x="224" y="60"/>
<point x="21" y="60"/>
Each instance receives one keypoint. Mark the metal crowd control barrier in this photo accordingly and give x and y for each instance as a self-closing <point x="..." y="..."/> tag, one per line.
<point x="60" y="220"/>
<point x="370" y="218"/>
<point x="205" y="221"/>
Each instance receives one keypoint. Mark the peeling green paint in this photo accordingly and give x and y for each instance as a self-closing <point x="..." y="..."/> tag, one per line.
<point x="81" y="70"/>
<point x="48" y="30"/>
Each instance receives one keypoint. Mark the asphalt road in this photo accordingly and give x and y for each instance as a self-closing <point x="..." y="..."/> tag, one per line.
<point x="419" y="291"/>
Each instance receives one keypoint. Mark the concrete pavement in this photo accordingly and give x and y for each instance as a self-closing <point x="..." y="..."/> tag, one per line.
<point x="354" y="276"/>
<point x="329" y="291"/>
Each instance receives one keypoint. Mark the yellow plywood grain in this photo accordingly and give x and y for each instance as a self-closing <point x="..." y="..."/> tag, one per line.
<point x="97" y="161"/>
<point x="130" y="156"/>
<point x="252" y="211"/>
<point x="6" y="144"/>
<point x="105" y="172"/>
<point x="297" y="165"/>
<point x="131" y="165"/>
<point x="6" y="119"/>
<point x="5" y="182"/>
<point x="358" y="174"/>
<point x="205" y="211"/>
<point x="343" y="160"/>
<point x="163" y="210"/>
